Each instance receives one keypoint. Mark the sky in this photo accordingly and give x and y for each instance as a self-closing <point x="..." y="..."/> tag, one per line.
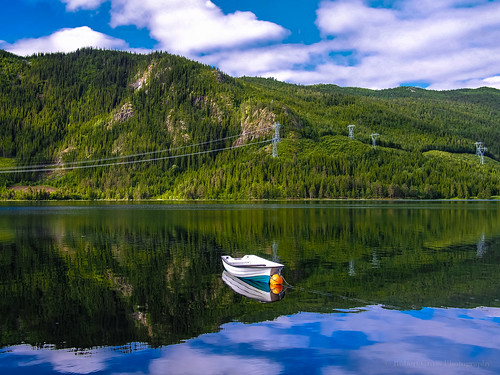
<point x="377" y="44"/>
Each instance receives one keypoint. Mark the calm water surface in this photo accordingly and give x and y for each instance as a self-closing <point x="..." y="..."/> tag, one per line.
<point x="374" y="287"/>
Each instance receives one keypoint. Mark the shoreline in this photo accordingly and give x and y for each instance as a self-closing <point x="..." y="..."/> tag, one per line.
<point x="250" y="201"/>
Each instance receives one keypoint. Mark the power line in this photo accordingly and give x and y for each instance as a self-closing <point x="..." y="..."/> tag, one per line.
<point x="131" y="155"/>
<point x="131" y="161"/>
<point x="75" y="164"/>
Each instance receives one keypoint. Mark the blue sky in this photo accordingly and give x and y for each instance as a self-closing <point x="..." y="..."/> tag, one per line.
<point x="435" y="44"/>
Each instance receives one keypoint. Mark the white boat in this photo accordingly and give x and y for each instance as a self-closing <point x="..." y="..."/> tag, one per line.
<point x="253" y="289"/>
<point x="251" y="266"/>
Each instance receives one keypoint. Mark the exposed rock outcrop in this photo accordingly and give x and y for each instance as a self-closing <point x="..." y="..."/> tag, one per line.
<point x="142" y="80"/>
<point x="125" y="112"/>
<point x="177" y="129"/>
<point x="257" y="122"/>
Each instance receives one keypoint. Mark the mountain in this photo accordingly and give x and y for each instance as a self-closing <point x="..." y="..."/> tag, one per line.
<point x="100" y="124"/>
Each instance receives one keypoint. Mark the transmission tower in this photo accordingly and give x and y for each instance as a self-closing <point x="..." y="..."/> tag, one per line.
<point x="480" y="149"/>
<point x="276" y="139"/>
<point x="375" y="261"/>
<point x="351" y="131"/>
<point x="374" y="139"/>
<point x="275" y="251"/>
<point x="481" y="246"/>
<point x="352" y="271"/>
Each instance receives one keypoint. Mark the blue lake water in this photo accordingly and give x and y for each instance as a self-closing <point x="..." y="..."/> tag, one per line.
<point x="371" y="287"/>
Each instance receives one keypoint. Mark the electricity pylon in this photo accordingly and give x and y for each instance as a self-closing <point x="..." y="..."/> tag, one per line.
<point x="351" y="131"/>
<point x="276" y="139"/>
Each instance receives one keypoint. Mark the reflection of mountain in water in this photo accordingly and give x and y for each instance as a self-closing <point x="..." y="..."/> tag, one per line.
<point x="107" y="275"/>
<point x="371" y="340"/>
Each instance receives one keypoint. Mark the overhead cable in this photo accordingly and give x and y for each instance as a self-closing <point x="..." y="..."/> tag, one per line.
<point x="95" y="162"/>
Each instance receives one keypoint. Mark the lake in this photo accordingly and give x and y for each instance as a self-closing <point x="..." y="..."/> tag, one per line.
<point x="370" y="287"/>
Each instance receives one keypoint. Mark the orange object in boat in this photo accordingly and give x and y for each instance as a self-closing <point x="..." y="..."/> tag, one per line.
<point x="276" y="279"/>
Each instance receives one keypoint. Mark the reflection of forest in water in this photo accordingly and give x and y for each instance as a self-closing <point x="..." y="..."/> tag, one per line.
<point x="81" y="276"/>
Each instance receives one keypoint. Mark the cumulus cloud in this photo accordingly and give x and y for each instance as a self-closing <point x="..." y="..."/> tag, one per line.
<point x="492" y="81"/>
<point x="65" y="40"/>
<point x="73" y="5"/>
<point x="447" y="44"/>
<point x="350" y="16"/>
<point x="401" y="31"/>
<point x="263" y="59"/>
<point x="189" y="27"/>
<point x="442" y="44"/>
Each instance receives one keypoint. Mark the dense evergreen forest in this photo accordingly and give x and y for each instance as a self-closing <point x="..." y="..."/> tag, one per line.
<point x="96" y="124"/>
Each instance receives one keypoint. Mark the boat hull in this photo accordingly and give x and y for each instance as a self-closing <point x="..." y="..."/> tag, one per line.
<point x="251" y="266"/>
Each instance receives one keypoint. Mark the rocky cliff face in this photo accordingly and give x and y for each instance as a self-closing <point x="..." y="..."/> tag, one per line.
<point x="125" y="112"/>
<point x="256" y="123"/>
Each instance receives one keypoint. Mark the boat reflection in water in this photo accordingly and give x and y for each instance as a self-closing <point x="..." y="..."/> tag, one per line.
<point x="253" y="288"/>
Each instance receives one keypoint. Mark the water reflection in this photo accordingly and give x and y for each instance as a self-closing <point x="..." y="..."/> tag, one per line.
<point x="363" y="340"/>
<point x="254" y="289"/>
<point x="481" y="246"/>
<point x="92" y="276"/>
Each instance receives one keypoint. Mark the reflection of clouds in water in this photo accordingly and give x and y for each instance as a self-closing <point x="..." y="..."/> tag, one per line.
<point x="478" y="312"/>
<point x="380" y="341"/>
<point x="368" y="340"/>
<point x="264" y="338"/>
<point x="183" y="359"/>
<point x="337" y="370"/>
<point x="404" y="358"/>
<point x="446" y="324"/>
<point x="67" y="360"/>
<point x="381" y="325"/>
<point x="429" y="341"/>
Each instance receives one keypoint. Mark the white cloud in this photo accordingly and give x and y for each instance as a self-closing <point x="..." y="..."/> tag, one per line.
<point x="73" y="5"/>
<point x="448" y="44"/>
<point x="263" y="60"/>
<point x="445" y="44"/>
<point x="189" y="27"/>
<point x="492" y="81"/>
<point x="350" y="16"/>
<point x="65" y="40"/>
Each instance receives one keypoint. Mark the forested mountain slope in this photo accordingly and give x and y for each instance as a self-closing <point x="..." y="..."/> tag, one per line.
<point x="107" y="124"/>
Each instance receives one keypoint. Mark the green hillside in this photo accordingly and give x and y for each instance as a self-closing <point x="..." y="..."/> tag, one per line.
<point x="114" y="125"/>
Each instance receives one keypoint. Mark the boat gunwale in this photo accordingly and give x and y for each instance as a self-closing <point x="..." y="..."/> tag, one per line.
<point x="271" y="264"/>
